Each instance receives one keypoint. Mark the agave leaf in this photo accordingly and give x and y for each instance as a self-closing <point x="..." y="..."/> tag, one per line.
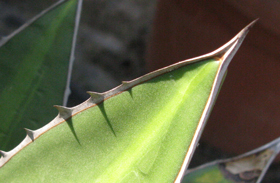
<point x="144" y="130"/>
<point x="249" y="167"/>
<point x="34" y="64"/>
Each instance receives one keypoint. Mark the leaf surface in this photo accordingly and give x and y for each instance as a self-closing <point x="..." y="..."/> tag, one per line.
<point x="34" y="63"/>
<point x="250" y="167"/>
<point x="144" y="130"/>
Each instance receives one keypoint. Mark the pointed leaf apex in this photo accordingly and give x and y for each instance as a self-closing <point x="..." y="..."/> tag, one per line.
<point x="64" y="112"/>
<point x="226" y="52"/>
<point x="29" y="133"/>
<point x="246" y="29"/>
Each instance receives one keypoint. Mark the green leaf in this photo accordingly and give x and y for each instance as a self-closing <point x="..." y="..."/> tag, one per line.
<point x="144" y="130"/>
<point x="34" y="63"/>
<point x="249" y="167"/>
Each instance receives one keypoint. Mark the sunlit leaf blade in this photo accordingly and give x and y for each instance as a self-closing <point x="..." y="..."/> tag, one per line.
<point x="249" y="167"/>
<point x="34" y="64"/>
<point x="144" y="130"/>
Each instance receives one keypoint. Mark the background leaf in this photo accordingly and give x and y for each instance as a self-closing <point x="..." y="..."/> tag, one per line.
<point x="249" y="167"/>
<point x="34" y="64"/>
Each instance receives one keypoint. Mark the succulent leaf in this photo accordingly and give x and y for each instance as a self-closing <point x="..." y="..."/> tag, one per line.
<point x="144" y="130"/>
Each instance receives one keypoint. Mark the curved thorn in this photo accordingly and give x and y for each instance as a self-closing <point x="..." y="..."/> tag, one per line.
<point x="30" y="133"/>
<point x="126" y="83"/>
<point x="64" y="112"/>
<point x="96" y="95"/>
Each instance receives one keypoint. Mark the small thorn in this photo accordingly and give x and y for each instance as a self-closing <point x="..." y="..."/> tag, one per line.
<point x="125" y="82"/>
<point x="96" y="95"/>
<point x="30" y="134"/>
<point x="3" y="153"/>
<point x="64" y="112"/>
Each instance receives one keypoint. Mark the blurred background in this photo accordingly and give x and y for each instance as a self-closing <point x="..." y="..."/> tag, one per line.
<point x="123" y="39"/>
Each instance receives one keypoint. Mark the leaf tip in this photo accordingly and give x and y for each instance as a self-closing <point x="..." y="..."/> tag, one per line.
<point x="246" y="29"/>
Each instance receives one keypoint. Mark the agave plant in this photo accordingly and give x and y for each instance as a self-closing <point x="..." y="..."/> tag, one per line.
<point x="144" y="130"/>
